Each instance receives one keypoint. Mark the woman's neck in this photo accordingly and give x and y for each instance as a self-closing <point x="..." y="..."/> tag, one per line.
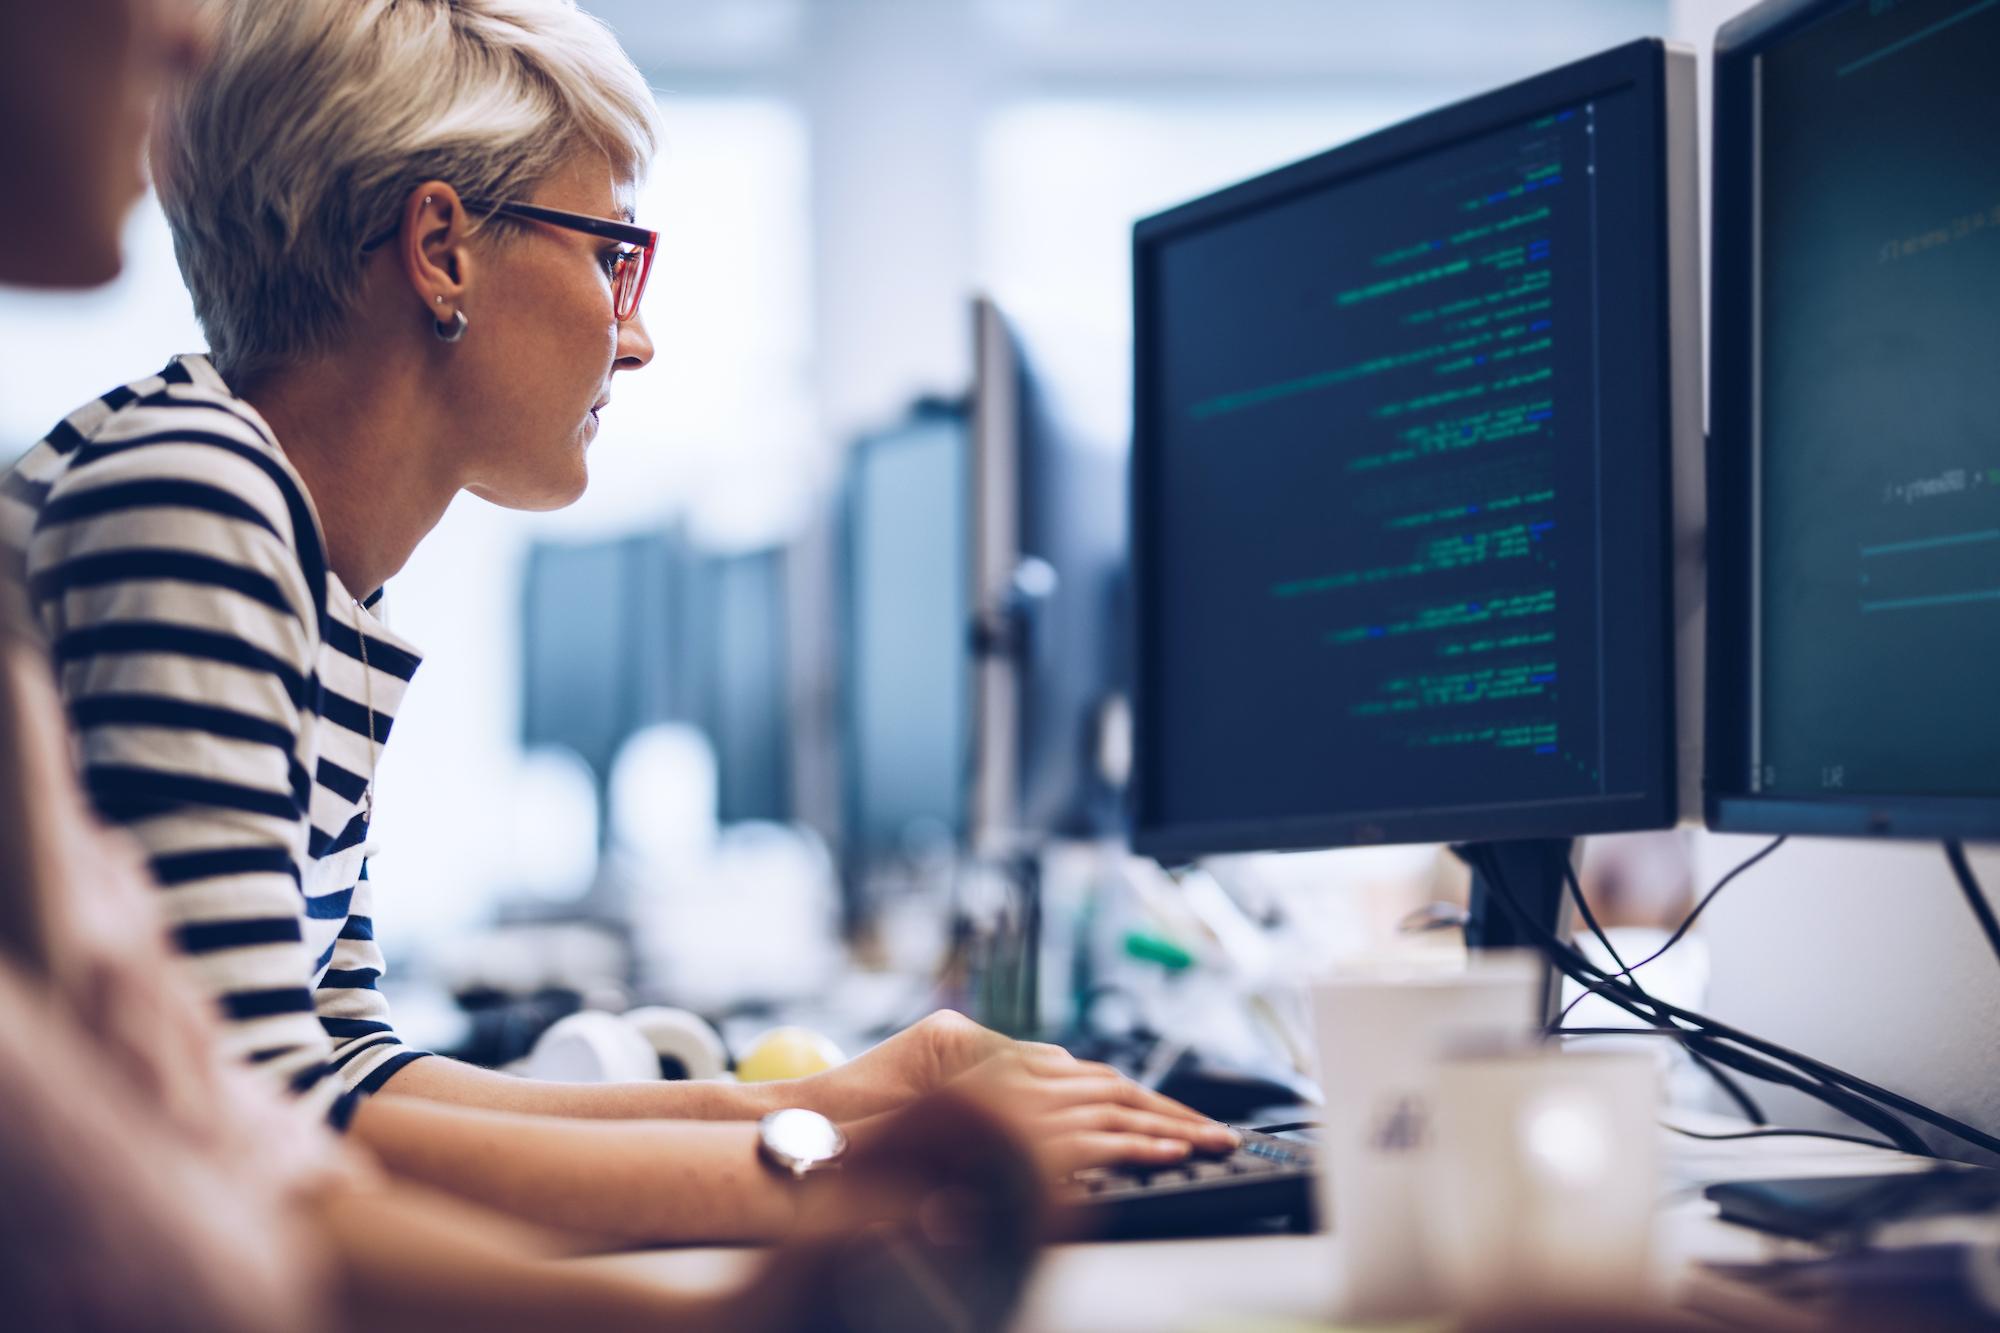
<point x="364" y="438"/>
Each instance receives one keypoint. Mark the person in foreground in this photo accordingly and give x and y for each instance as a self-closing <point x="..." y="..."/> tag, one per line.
<point x="406" y="226"/>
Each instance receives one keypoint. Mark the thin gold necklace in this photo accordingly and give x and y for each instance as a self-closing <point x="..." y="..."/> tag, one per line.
<point x="368" y="696"/>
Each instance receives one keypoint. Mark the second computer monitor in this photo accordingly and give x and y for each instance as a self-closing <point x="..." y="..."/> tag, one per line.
<point x="1403" y="468"/>
<point x="1856" y="416"/>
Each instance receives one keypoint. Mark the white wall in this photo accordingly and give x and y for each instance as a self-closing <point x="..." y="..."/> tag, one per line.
<point x="1862" y="955"/>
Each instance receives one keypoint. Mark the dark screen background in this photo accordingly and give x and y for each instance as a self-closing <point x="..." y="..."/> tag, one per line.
<point x="1880" y="451"/>
<point x="1405" y="483"/>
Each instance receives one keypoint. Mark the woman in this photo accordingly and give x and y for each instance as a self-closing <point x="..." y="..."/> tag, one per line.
<point x="406" y="227"/>
<point x="146" y="1182"/>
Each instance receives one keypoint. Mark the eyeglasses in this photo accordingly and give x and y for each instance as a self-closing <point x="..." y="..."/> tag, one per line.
<point x="630" y="267"/>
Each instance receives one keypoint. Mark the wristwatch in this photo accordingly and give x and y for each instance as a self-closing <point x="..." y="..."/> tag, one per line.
<point x="800" y="1143"/>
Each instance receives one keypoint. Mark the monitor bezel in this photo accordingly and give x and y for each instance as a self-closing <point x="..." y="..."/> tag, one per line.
<point x="1642" y="67"/>
<point x="1730" y="799"/>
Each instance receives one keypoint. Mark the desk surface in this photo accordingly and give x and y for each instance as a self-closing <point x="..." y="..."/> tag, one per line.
<point x="1162" y="1286"/>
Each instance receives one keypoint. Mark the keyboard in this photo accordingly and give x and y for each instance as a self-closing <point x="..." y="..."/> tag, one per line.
<point x="1265" y="1184"/>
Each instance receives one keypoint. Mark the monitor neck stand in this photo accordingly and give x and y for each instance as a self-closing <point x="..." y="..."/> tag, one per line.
<point x="1534" y="872"/>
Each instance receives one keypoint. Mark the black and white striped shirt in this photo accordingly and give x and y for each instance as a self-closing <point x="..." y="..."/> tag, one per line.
<point x="214" y="669"/>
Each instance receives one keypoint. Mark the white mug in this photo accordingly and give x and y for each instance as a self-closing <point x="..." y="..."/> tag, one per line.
<point x="1380" y="1032"/>
<point x="1544" y="1178"/>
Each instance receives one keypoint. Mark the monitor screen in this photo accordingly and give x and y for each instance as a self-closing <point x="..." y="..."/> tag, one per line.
<point x="602" y="643"/>
<point x="1873" y="369"/>
<point x="905" y="684"/>
<point x="1403" y="450"/>
<point x="740" y="625"/>
<point x="1073" y="521"/>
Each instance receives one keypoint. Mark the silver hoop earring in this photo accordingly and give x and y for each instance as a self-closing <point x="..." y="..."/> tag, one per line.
<point x="452" y="332"/>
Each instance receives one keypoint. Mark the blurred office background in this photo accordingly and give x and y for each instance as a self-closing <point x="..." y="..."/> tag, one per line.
<point x="724" y="703"/>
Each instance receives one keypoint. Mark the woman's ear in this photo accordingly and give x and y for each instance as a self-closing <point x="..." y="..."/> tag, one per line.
<point x="434" y="248"/>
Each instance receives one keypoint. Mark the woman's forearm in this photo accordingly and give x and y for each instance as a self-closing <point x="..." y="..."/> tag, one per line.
<point x="458" y="1084"/>
<point x="625" y="1181"/>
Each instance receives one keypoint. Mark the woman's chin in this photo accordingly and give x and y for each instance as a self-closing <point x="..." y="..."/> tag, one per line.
<point x="553" y="494"/>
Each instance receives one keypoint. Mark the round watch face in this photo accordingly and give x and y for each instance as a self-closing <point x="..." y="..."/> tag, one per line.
<point x="801" y="1139"/>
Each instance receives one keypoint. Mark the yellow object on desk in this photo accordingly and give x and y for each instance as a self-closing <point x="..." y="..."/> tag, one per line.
<point x="787" y="1052"/>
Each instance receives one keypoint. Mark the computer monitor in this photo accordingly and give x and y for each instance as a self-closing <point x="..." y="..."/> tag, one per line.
<point x="1406" y="417"/>
<point x="1049" y="517"/>
<point x="905" y="679"/>
<point x="1856" y="418"/>
<point x="737" y="632"/>
<point x="600" y="634"/>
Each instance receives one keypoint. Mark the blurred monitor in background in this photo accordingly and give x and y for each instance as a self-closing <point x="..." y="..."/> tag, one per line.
<point x="620" y="635"/>
<point x="905" y="679"/>
<point x="600" y="629"/>
<point x="1048" y="580"/>
<point x="735" y="642"/>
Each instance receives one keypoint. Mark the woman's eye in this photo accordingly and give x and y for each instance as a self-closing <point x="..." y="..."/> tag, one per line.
<point x="611" y="259"/>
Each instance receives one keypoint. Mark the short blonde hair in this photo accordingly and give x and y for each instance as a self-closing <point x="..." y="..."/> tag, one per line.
<point x="315" y="118"/>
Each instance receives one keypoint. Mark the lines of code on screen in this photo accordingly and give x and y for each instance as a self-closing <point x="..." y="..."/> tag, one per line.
<point x="1879" y="431"/>
<point x="1384" y="496"/>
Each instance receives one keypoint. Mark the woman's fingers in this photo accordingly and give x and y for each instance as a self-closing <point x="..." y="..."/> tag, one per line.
<point x="1106" y="1104"/>
<point x="1067" y="1153"/>
<point x="1112" y="1118"/>
<point x="1140" y="1095"/>
<point x="1111" y="1086"/>
<point x="1052" y="1062"/>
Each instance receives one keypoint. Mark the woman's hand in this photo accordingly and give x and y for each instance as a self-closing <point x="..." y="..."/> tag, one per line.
<point x="920" y="1059"/>
<point x="1076" y="1113"/>
<point x="1079" y="1113"/>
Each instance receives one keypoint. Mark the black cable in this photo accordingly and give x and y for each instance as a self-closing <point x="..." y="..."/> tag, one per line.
<point x="1691" y="917"/>
<point x="1819" y="1085"/>
<point x="1780" y="1134"/>
<point x="1846" y="1103"/>
<point x="1968" y="883"/>
<point x="1590" y="920"/>
<point x="1827" y="1081"/>
<point x="1825" y="1075"/>
<point x="1730" y="1087"/>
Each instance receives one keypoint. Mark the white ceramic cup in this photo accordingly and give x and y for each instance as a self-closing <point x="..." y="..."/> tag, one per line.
<point x="1543" y="1180"/>
<point x="1380" y="1034"/>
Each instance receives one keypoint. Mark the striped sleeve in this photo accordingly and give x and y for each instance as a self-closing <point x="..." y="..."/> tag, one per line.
<point x="186" y="632"/>
<point x="366" y="1050"/>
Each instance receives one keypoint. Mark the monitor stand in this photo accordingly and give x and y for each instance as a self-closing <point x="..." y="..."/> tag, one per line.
<point x="1534" y="872"/>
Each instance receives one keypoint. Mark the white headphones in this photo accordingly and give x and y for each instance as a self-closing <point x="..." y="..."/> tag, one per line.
<point x="638" y="1046"/>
